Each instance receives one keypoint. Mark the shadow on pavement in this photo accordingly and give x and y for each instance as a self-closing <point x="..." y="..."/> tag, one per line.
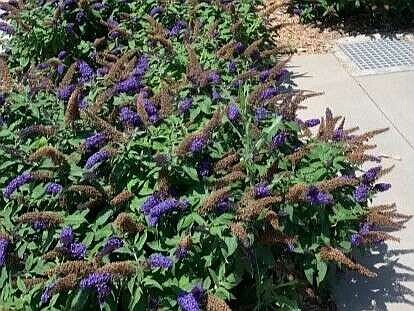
<point x="356" y="293"/>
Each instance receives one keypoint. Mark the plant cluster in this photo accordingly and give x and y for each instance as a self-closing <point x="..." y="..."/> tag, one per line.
<point x="152" y="159"/>
<point x="397" y="12"/>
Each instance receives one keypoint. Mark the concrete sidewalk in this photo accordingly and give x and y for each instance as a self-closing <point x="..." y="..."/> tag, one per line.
<point x="372" y="102"/>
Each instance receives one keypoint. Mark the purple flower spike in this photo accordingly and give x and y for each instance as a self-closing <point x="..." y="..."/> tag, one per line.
<point x="97" y="157"/>
<point x="129" y="85"/>
<point x="381" y="187"/>
<point x="98" y="6"/>
<point x="47" y="294"/>
<point x="371" y="175"/>
<point x="39" y="225"/>
<point x="129" y="118"/>
<point x="213" y="77"/>
<point x="66" y="236"/>
<point x="149" y="203"/>
<point x="16" y="183"/>
<point x="177" y="28"/>
<point x="238" y="48"/>
<point x="316" y="197"/>
<point x="6" y="28"/>
<point x="198" y="144"/>
<point x="269" y="93"/>
<point x="86" y="72"/>
<point x="261" y="113"/>
<point x="77" y="251"/>
<point x="361" y="193"/>
<point x="233" y="112"/>
<point x="53" y="188"/>
<point x="151" y="111"/>
<point x="278" y="140"/>
<point x="356" y="239"/>
<point x="100" y="282"/>
<point x="142" y="66"/>
<point x="62" y="55"/>
<point x="261" y="191"/>
<point x="159" y="261"/>
<point x="80" y="16"/>
<point x="156" y="10"/>
<point x="264" y="75"/>
<point x="65" y="92"/>
<point x="312" y="122"/>
<point x="95" y="141"/>
<point x="4" y="246"/>
<point x="112" y="244"/>
<point x="185" y="105"/>
<point x="231" y="67"/>
<point x="215" y="95"/>
<point x="161" y="209"/>
<point x="204" y="167"/>
<point x="60" y="69"/>
<point x="188" y="302"/>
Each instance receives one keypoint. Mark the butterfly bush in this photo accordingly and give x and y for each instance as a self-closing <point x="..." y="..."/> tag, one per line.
<point x="153" y="159"/>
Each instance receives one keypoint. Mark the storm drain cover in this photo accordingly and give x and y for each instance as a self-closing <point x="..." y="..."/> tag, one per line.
<point x="380" y="55"/>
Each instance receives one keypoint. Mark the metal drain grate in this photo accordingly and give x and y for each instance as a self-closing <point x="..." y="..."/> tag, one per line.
<point x="380" y="55"/>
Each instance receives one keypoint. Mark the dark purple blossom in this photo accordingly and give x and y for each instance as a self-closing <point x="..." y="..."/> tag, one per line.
<point x="60" y="69"/>
<point x="39" y="225"/>
<point x="339" y="135"/>
<point x="204" y="167"/>
<point x="238" y="48"/>
<point x="213" y="77"/>
<point x="77" y="251"/>
<point x="100" y="282"/>
<point x="149" y="203"/>
<point x="316" y="197"/>
<point x="261" y="190"/>
<point x="70" y="28"/>
<point x="185" y="105"/>
<point x="361" y="193"/>
<point x="86" y="72"/>
<point x="371" y="175"/>
<point x="151" y="111"/>
<point x="260" y="114"/>
<point x="231" y="67"/>
<point x="223" y="205"/>
<point x="233" y="112"/>
<point x="215" y="95"/>
<point x="156" y="10"/>
<point x="129" y="118"/>
<point x="4" y="246"/>
<point x="62" y="55"/>
<point x="47" y="294"/>
<point x="279" y="140"/>
<point x="129" y="85"/>
<point x="197" y="144"/>
<point x="188" y="302"/>
<point x="97" y="157"/>
<point x="66" y="236"/>
<point x="2" y="99"/>
<point x="177" y="28"/>
<point x="16" y="183"/>
<point x="97" y="140"/>
<point x="357" y="238"/>
<point x="381" y="187"/>
<point x="98" y="6"/>
<point x="80" y="16"/>
<point x="264" y="75"/>
<point x="159" y="261"/>
<point x="181" y="252"/>
<point x="82" y="102"/>
<point x="42" y="66"/>
<point x="65" y="92"/>
<point x="6" y="28"/>
<point x="53" y="188"/>
<point x="142" y="66"/>
<point x="268" y="93"/>
<point x="161" y="209"/>
<point x="312" y="122"/>
<point x="112" y="244"/>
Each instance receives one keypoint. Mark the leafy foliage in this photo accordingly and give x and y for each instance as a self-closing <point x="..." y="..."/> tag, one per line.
<point x="158" y="163"/>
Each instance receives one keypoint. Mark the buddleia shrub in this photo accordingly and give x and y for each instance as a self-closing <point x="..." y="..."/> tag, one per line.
<point x="167" y="169"/>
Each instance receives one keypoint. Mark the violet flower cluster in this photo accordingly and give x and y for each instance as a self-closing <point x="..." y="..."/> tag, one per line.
<point x="111" y="245"/>
<point x="191" y="301"/>
<point x="261" y="190"/>
<point x="185" y="105"/>
<point x="233" y="112"/>
<point x="99" y="282"/>
<point x="159" y="261"/>
<point x="129" y="118"/>
<point x="97" y="157"/>
<point x="358" y="238"/>
<point x="154" y="208"/>
<point x="4" y="246"/>
<point x="94" y="141"/>
<point x="16" y="183"/>
<point x="316" y="197"/>
<point x="73" y="249"/>
<point x="53" y="188"/>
